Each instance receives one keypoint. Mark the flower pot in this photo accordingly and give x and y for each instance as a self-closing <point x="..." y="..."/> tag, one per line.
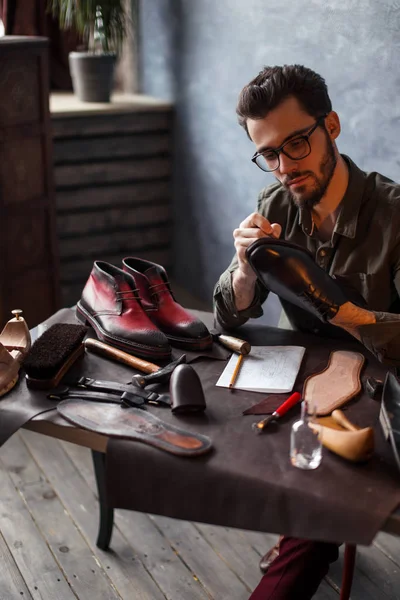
<point x="92" y="75"/>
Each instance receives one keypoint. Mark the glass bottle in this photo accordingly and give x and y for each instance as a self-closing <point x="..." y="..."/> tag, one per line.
<point x="305" y="447"/>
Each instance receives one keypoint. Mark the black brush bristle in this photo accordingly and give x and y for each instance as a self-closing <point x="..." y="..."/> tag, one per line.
<point x="51" y="350"/>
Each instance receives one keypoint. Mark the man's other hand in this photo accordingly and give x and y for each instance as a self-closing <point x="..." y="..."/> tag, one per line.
<point x="244" y="279"/>
<point x="254" y="227"/>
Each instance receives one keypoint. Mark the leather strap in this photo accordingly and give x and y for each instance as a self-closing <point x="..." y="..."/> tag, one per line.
<point x="126" y="398"/>
<point x="113" y="387"/>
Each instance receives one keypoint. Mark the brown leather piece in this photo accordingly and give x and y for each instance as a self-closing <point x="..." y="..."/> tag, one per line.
<point x="336" y="384"/>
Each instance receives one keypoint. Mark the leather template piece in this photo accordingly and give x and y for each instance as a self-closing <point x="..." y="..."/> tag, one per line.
<point x="336" y="384"/>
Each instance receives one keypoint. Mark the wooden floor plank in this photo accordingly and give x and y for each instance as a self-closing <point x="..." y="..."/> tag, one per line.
<point x="389" y="545"/>
<point x="80" y="568"/>
<point x="153" y="549"/>
<point x="376" y="576"/>
<point x="234" y="550"/>
<point x="35" y="562"/>
<point x="12" y="584"/>
<point x="173" y="577"/>
<point x="130" y="578"/>
<point x="218" y="579"/>
<point x="260" y="542"/>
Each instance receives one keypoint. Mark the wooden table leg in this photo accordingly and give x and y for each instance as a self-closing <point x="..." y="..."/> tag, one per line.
<point x="106" y="513"/>
<point x="350" y="551"/>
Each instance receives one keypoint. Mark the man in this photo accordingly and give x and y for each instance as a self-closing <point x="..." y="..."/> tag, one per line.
<point x="348" y="219"/>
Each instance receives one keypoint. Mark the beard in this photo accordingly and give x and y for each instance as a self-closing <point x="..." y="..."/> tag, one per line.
<point x="311" y="197"/>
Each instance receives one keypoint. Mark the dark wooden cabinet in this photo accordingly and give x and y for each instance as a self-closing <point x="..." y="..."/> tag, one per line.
<point x="28" y="248"/>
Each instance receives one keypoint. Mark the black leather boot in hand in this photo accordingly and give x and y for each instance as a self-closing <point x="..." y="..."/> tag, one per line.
<point x="290" y="272"/>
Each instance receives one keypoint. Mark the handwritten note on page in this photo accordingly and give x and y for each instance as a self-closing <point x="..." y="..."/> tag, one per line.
<point x="265" y="369"/>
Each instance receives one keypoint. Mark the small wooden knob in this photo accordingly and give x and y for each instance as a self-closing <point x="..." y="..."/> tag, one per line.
<point x="17" y="312"/>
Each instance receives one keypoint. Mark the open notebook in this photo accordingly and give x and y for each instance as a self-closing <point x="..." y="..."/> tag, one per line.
<point x="265" y="369"/>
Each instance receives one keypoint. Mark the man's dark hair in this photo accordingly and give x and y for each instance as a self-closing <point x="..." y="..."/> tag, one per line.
<point x="274" y="84"/>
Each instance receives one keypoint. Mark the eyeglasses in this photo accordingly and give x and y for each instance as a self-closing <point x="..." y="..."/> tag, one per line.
<point x="296" y="149"/>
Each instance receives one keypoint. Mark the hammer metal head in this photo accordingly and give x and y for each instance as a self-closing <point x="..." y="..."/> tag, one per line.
<point x="161" y="376"/>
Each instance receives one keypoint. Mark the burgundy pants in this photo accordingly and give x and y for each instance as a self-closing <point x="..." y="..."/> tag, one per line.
<point x="298" y="570"/>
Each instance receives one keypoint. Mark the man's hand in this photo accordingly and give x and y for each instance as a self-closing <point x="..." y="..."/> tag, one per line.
<point x="255" y="226"/>
<point x="251" y="229"/>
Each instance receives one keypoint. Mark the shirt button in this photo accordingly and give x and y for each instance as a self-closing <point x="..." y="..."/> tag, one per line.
<point x="322" y="252"/>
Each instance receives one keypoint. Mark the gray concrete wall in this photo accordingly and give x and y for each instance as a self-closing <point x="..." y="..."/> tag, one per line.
<point x="200" y="53"/>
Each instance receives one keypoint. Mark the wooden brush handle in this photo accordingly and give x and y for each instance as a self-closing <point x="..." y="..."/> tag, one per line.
<point x="235" y="344"/>
<point x="342" y="420"/>
<point x="123" y="357"/>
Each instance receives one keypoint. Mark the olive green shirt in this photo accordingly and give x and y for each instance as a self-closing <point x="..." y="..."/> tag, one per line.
<point x="363" y="254"/>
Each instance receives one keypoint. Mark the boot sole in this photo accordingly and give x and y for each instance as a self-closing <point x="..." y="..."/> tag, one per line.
<point x="132" y="348"/>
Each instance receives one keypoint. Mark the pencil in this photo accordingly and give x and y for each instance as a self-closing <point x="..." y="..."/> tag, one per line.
<point x="236" y="371"/>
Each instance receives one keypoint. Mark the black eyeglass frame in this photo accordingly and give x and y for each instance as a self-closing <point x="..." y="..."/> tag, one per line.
<point x="277" y="151"/>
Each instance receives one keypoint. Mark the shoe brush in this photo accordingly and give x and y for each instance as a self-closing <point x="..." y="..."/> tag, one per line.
<point x="53" y="354"/>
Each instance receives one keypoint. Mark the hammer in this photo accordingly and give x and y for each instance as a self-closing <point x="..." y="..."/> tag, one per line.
<point x="155" y="374"/>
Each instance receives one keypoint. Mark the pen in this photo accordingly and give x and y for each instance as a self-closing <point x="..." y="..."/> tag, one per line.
<point x="236" y="371"/>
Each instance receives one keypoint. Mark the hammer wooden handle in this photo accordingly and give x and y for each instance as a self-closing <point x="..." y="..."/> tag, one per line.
<point x="123" y="357"/>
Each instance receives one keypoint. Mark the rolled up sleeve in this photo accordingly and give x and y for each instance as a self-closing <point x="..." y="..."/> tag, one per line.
<point x="225" y="311"/>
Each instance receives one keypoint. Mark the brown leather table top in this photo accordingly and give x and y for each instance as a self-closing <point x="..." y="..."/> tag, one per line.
<point x="247" y="481"/>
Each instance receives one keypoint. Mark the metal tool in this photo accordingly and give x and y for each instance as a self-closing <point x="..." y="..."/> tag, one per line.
<point x="278" y="413"/>
<point x="161" y="376"/>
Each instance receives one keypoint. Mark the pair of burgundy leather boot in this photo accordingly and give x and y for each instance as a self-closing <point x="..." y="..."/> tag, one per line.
<point x="133" y="309"/>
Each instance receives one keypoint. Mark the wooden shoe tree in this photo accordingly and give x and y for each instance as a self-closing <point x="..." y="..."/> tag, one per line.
<point x="15" y="336"/>
<point x="15" y="341"/>
<point x="344" y="438"/>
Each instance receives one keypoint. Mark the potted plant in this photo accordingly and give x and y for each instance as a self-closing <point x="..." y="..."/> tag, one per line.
<point x="102" y="25"/>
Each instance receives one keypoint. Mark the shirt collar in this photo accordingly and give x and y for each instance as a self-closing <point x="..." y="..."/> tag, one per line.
<point x="350" y="205"/>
